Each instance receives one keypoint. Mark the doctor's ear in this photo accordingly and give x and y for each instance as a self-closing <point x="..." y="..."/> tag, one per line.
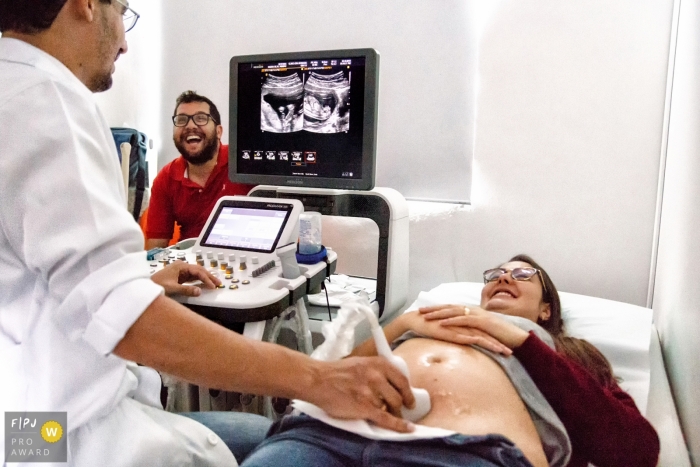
<point x="545" y="313"/>
<point x="82" y="9"/>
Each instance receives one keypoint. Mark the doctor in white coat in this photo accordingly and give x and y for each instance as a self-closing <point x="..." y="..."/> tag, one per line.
<point x="76" y="301"/>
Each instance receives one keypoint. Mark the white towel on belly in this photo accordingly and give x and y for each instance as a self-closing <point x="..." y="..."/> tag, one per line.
<point x="368" y="430"/>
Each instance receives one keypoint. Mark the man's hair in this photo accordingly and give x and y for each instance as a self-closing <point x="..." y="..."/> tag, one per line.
<point x="192" y="96"/>
<point x="30" y="16"/>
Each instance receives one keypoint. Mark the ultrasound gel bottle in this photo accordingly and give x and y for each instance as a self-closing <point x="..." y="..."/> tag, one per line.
<point x="310" y="241"/>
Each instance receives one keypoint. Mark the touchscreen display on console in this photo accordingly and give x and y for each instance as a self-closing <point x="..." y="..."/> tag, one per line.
<point x="244" y="228"/>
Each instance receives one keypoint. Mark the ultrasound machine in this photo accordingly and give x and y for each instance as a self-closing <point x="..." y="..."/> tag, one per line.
<point x="303" y="129"/>
<point x="304" y="126"/>
<point x="250" y="244"/>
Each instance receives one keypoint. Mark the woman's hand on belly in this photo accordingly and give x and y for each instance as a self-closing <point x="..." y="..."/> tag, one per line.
<point x="462" y="319"/>
<point x="435" y="329"/>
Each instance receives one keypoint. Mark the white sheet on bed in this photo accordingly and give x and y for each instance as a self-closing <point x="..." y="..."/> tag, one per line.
<point x="619" y="330"/>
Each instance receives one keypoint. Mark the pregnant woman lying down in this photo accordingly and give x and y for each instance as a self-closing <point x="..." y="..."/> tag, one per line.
<point x="507" y="387"/>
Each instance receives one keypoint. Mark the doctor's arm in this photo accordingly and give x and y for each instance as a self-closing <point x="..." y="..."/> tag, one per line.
<point x="172" y="339"/>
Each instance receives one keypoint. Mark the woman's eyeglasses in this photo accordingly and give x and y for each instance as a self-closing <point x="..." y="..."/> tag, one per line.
<point x="518" y="274"/>
<point x="200" y="119"/>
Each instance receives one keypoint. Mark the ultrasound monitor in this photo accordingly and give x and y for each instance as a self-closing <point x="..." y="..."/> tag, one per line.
<point x="306" y="119"/>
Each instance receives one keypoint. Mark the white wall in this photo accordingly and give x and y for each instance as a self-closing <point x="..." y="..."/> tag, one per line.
<point x="135" y="100"/>
<point x="427" y="66"/>
<point x="677" y="294"/>
<point x="568" y="136"/>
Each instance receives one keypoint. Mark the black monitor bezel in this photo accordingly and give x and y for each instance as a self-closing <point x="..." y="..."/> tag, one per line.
<point x="369" y="130"/>
<point x="288" y="207"/>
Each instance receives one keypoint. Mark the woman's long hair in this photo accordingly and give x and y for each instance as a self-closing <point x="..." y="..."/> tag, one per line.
<point x="579" y="350"/>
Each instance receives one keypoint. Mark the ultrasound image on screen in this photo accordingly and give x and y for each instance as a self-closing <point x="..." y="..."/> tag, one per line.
<point x="326" y="103"/>
<point x="321" y="105"/>
<point x="293" y="116"/>
<point x="282" y="104"/>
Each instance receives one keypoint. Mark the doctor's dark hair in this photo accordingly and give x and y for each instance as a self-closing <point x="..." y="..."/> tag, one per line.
<point x="579" y="350"/>
<point x="192" y="96"/>
<point x="30" y="16"/>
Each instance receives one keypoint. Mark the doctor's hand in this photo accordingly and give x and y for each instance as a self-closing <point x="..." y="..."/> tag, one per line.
<point x="470" y="317"/>
<point x="172" y="277"/>
<point x="368" y="388"/>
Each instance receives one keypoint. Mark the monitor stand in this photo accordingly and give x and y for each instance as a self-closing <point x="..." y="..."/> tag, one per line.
<point x="388" y="209"/>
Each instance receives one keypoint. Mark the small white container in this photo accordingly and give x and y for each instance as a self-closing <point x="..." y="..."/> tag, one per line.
<point x="310" y="241"/>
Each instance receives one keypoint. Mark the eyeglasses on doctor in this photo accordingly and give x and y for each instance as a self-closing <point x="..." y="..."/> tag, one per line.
<point x="199" y="119"/>
<point x="518" y="274"/>
<point x="129" y="16"/>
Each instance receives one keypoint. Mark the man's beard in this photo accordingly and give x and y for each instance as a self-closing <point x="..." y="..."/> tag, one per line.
<point x="207" y="153"/>
<point x="103" y="81"/>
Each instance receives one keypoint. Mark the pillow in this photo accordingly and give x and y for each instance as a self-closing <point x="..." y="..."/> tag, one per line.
<point x="619" y="330"/>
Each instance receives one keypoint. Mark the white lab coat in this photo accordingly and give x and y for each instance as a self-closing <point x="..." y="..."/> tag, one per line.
<point x="73" y="277"/>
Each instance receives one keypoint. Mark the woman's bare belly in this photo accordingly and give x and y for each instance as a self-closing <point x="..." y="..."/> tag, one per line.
<point x="470" y="394"/>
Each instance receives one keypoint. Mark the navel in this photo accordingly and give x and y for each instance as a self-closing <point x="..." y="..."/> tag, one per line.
<point x="431" y="359"/>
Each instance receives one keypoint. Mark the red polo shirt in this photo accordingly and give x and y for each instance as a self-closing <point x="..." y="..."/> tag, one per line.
<point x="176" y="198"/>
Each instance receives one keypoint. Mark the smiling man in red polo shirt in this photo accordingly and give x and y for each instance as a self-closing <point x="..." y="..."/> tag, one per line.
<point x="186" y="190"/>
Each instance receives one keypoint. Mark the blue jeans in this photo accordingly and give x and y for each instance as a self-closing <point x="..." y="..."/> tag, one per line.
<point x="241" y="432"/>
<point x="303" y="441"/>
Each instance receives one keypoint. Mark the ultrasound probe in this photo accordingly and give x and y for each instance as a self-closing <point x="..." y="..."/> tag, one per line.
<point x="422" y="397"/>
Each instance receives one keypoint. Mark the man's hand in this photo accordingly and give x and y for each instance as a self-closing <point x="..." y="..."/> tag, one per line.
<point x="172" y="276"/>
<point x="368" y="388"/>
<point x="175" y="340"/>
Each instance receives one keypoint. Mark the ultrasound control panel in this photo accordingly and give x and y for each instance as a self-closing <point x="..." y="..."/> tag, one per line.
<point x="238" y="245"/>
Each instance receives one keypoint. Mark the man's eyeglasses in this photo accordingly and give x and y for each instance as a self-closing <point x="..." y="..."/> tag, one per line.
<point x="199" y="119"/>
<point x="130" y="17"/>
<point x="518" y="274"/>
